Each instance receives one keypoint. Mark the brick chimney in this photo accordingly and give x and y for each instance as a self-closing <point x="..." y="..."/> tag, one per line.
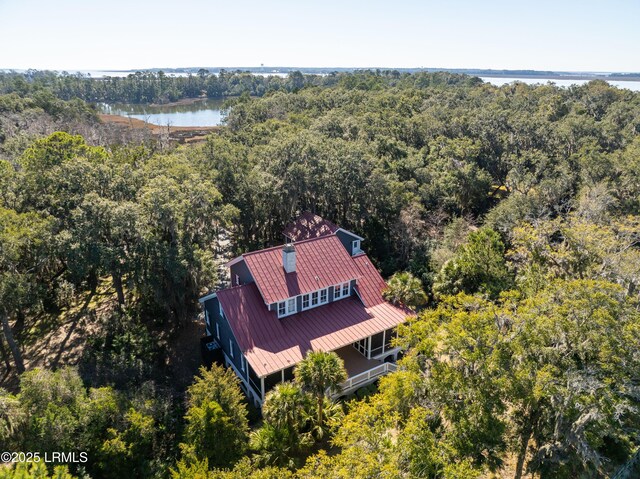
<point x="289" y="258"/>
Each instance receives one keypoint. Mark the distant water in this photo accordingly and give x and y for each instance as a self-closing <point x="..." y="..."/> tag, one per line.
<point x="499" y="81"/>
<point x="102" y="74"/>
<point x="200" y="113"/>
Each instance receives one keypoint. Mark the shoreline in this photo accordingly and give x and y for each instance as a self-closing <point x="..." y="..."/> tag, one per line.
<point x="560" y="77"/>
<point x="183" y="101"/>
<point x="182" y="134"/>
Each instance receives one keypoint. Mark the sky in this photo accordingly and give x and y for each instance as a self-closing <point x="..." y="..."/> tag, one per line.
<point x="560" y="35"/>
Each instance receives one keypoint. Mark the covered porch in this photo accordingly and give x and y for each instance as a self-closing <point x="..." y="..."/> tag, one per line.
<point x="360" y="370"/>
<point x="354" y="362"/>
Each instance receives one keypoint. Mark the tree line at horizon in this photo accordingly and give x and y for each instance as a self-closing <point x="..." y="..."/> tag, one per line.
<point x="159" y="87"/>
<point x="508" y="216"/>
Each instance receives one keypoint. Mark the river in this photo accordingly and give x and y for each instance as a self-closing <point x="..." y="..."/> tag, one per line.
<point x="206" y="112"/>
<point x="209" y="112"/>
<point x="499" y="81"/>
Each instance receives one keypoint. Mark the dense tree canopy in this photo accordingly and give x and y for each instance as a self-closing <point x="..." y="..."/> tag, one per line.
<point x="513" y="209"/>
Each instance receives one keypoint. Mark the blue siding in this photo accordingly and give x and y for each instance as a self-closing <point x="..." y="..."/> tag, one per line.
<point x="242" y="270"/>
<point x="226" y="335"/>
<point x="346" y="240"/>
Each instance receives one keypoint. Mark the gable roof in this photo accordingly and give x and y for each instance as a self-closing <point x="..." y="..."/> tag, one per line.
<point x="309" y="225"/>
<point x="320" y="263"/>
<point x="271" y="344"/>
<point x="371" y="284"/>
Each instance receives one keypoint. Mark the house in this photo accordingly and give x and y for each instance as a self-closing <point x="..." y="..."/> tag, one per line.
<point x="318" y="291"/>
<point x="309" y="225"/>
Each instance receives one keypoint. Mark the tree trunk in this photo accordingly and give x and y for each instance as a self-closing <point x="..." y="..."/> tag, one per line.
<point x="15" y="351"/>
<point x="117" y="284"/>
<point x="320" y="412"/>
<point x="5" y="354"/>
<point x="19" y="324"/>
<point x="524" y="444"/>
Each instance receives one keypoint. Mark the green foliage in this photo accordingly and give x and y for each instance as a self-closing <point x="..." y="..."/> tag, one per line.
<point x="11" y="417"/>
<point x="54" y="403"/>
<point x="128" y="451"/>
<point x="405" y="289"/>
<point x="122" y="352"/>
<point x="547" y="375"/>
<point x="422" y="456"/>
<point x="57" y="149"/>
<point x="210" y="429"/>
<point x="285" y="435"/>
<point x="576" y="362"/>
<point x="478" y="266"/>
<point x="55" y="412"/>
<point x="217" y="427"/>
<point x="318" y="373"/>
<point x="34" y="470"/>
<point x="577" y="247"/>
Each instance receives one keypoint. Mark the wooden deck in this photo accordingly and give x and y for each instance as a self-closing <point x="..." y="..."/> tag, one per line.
<point x="354" y="362"/>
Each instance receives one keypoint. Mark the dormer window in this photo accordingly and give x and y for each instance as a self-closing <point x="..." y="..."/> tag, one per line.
<point x="341" y="290"/>
<point x="287" y="307"/>
<point x="355" y="247"/>
<point x="316" y="298"/>
<point x="324" y="295"/>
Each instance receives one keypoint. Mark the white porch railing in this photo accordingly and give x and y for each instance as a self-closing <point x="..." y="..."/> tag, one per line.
<point x="367" y="376"/>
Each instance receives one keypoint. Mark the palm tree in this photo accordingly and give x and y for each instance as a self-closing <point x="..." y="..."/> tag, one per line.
<point x="285" y="406"/>
<point x="318" y="373"/>
<point x="281" y="438"/>
<point x="274" y="446"/>
<point x="404" y="288"/>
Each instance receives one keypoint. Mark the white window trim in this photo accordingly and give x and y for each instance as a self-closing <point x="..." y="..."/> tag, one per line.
<point x="242" y="362"/>
<point x="338" y="288"/>
<point x="326" y="296"/>
<point x="217" y="331"/>
<point x="308" y="306"/>
<point x="320" y="302"/>
<point x="230" y="348"/>
<point x="355" y="246"/>
<point x="287" y="311"/>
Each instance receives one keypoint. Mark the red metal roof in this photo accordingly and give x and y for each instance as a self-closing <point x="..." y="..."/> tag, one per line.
<point x="271" y="344"/>
<point x="370" y="285"/>
<point x="308" y="225"/>
<point x="320" y="262"/>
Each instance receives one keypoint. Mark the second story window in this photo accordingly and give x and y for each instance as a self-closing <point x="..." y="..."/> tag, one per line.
<point x="355" y="246"/>
<point x="286" y="307"/>
<point x="316" y="298"/>
<point x="324" y="296"/>
<point x="341" y="290"/>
